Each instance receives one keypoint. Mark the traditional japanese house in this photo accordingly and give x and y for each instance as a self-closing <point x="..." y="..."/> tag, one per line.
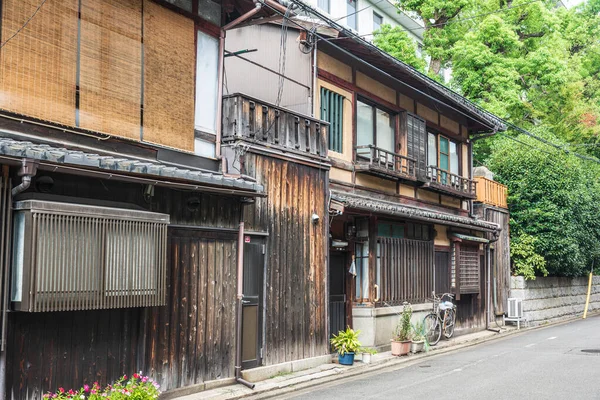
<point x="120" y="243"/>
<point x="400" y="186"/>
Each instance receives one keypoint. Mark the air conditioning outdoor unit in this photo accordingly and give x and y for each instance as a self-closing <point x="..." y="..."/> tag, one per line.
<point x="515" y="308"/>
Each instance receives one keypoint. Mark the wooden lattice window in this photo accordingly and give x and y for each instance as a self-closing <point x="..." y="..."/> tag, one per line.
<point x="332" y="111"/>
<point x="416" y="142"/>
<point x="465" y="260"/>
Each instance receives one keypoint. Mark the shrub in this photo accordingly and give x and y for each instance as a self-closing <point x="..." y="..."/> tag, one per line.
<point x="138" y="387"/>
<point x="404" y="328"/>
<point x="346" y="341"/>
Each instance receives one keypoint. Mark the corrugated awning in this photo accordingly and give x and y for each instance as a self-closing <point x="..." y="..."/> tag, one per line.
<point x="126" y="169"/>
<point x="469" y="238"/>
<point x="370" y="204"/>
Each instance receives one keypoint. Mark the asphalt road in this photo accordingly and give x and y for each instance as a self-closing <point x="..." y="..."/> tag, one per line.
<point x="540" y="364"/>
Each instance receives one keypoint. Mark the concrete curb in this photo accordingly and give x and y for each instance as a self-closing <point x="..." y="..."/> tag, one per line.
<point x="392" y="363"/>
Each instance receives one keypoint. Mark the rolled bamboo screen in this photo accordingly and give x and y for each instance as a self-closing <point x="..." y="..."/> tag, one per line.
<point x="38" y="65"/>
<point x="111" y="67"/>
<point x="169" y="64"/>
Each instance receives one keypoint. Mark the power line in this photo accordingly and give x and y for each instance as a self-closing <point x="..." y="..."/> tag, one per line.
<point x="24" y="25"/>
<point x="356" y="12"/>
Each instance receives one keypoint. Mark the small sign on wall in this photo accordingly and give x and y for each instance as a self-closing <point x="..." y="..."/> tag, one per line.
<point x="247" y="239"/>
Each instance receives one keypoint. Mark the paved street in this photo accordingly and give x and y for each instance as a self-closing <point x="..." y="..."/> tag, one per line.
<point x="540" y="364"/>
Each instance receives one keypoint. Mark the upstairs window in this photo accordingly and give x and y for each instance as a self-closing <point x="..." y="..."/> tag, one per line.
<point x="324" y="5"/>
<point x="377" y="21"/>
<point x="416" y="142"/>
<point x="443" y="154"/>
<point x="374" y="127"/>
<point x="351" y="12"/>
<point x="332" y="111"/>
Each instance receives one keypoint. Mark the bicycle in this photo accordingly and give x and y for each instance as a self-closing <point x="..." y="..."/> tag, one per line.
<point x="442" y="318"/>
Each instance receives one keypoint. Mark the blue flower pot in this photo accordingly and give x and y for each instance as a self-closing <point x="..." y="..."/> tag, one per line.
<point x="346" y="359"/>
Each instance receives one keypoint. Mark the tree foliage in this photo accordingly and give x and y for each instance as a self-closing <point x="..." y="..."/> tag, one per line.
<point x="396" y="42"/>
<point x="526" y="262"/>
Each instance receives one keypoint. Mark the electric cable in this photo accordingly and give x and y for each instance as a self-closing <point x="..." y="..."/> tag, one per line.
<point x="24" y="25"/>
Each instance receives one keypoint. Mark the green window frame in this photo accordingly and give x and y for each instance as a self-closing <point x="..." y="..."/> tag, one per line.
<point x="332" y="111"/>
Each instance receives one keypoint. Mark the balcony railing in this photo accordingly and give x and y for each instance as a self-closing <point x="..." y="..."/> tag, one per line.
<point x="383" y="162"/>
<point x="451" y="183"/>
<point x="263" y="123"/>
<point x="491" y="192"/>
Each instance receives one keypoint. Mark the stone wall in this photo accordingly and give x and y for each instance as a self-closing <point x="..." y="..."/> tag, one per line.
<point x="551" y="299"/>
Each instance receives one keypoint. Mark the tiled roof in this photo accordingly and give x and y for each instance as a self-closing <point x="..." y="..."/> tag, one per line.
<point x="61" y="155"/>
<point x="387" y="207"/>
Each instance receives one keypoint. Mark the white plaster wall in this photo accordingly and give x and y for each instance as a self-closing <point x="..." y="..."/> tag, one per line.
<point x="551" y="299"/>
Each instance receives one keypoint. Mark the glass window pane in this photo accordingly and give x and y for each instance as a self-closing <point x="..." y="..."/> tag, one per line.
<point x="453" y="158"/>
<point x="204" y="148"/>
<point x="444" y="162"/>
<point x="443" y="145"/>
<point x="397" y="231"/>
<point x="383" y="230"/>
<point x="323" y="5"/>
<point x="184" y="4"/>
<point x="377" y="21"/>
<point x="350" y="11"/>
<point x="364" y="122"/>
<point x="385" y="131"/>
<point x="432" y="149"/>
<point x="206" y="83"/>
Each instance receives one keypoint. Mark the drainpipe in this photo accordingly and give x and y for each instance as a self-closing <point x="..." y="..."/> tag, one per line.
<point x="315" y="81"/>
<point x="488" y="262"/>
<point x="27" y="171"/>
<point x="240" y="295"/>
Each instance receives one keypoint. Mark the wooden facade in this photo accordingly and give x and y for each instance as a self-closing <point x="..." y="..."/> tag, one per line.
<point x="189" y="341"/>
<point x="296" y="277"/>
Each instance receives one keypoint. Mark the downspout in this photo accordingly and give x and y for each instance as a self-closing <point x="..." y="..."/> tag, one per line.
<point x="314" y="85"/>
<point x="221" y="77"/>
<point x="489" y="273"/>
<point x="27" y="171"/>
<point x="240" y="296"/>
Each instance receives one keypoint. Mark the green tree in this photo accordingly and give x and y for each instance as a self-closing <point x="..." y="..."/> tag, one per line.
<point x="396" y="42"/>
<point x="440" y="34"/>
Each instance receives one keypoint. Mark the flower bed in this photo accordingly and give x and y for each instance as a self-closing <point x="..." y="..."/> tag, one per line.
<point x="138" y="387"/>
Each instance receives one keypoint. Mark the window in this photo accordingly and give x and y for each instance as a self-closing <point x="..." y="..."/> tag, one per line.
<point x="468" y="268"/>
<point x="351" y="14"/>
<point x="361" y="260"/>
<point x="332" y="111"/>
<point x="443" y="154"/>
<point x="416" y="137"/>
<point x="206" y="91"/>
<point x="374" y="127"/>
<point x="377" y="21"/>
<point x="407" y="230"/>
<point x="183" y="4"/>
<point x="323" y="5"/>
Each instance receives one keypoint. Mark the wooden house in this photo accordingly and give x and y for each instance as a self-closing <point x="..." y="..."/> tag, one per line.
<point x="121" y="238"/>
<point x="400" y="187"/>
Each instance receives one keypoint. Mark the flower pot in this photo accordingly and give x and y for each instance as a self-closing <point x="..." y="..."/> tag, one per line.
<point x="417" y="346"/>
<point x="400" y="348"/>
<point x="346" y="359"/>
<point x="366" y="358"/>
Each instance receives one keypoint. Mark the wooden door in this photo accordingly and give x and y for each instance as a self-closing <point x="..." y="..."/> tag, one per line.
<point x="252" y="302"/>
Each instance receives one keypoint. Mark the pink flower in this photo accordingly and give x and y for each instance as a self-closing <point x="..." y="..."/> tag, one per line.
<point x="86" y="388"/>
<point x="71" y="391"/>
<point x="61" y="390"/>
<point x="145" y="379"/>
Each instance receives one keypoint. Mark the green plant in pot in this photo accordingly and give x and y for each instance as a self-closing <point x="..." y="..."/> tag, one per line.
<point x="367" y="353"/>
<point x="346" y="344"/>
<point x="402" y="336"/>
<point x="419" y="340"/>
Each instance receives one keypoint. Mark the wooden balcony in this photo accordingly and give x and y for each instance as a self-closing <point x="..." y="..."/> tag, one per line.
<point x="252" y="120"/>
<point x="377" y="161"/>
<point x="452" y="184"/>
<point x="491" y="192"/>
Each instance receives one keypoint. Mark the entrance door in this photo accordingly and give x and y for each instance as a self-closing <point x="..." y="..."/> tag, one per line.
<point x="252" y="303"/>
<point x="337" y="292"/>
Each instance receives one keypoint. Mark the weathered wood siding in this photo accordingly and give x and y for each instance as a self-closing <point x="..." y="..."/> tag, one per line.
<point x="190" y="340"/>
<point x="296" y="279"/>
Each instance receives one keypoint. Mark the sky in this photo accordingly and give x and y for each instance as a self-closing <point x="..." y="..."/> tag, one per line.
<point x="572" y="3"/>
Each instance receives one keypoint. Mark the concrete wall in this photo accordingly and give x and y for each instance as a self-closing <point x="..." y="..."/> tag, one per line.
<point x="377" y="325"/>
<point x="551" y="299"/>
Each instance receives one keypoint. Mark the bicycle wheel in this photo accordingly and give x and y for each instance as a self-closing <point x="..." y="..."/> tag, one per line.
<point x="450" y="320"/>
<point x="433" y="329"/>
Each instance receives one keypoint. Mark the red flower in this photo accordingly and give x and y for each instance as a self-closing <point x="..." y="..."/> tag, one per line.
<point x="61" y="390"/>
<point x="136" y="376"/>
<point x="71" y="391"/>
<point x="125" y="377"/>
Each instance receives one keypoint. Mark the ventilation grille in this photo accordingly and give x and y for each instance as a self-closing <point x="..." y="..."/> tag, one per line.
<point x="73" y="257"/>
<point x="515" y="308"/>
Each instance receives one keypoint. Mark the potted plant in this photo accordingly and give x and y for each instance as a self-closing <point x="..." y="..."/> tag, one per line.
<point x="367" y="352"/>
<point x="418" y="337"/>
<point x="401" y="341"/>
<point x="346" y="343"/>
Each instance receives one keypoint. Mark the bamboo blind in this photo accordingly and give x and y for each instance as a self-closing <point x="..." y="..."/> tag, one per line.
<point x="169" y="63"/>
<point x="111" y="66"/>
<point x="38" y="66"/>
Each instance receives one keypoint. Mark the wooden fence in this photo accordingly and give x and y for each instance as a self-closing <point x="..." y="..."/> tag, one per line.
<point x="491" y="192"/>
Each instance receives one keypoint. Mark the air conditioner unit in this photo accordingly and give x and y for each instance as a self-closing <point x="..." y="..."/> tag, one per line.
<point x="515" y="308"/>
